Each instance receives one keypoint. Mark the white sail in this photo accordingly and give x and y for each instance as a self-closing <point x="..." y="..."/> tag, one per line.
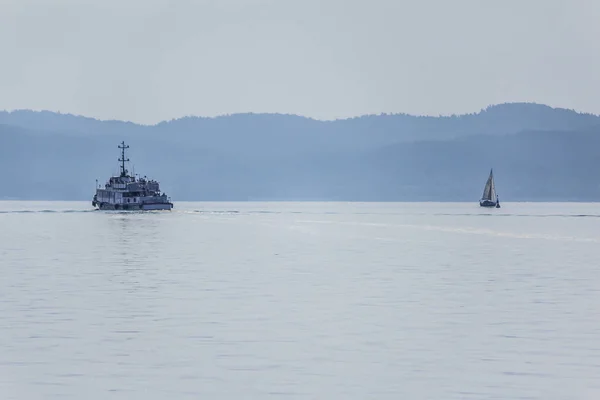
<point x="493" y="189"/>
<point x="489" y="191"/>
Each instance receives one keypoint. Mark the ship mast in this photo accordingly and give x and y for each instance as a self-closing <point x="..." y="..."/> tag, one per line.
<point x="123" y="159"/>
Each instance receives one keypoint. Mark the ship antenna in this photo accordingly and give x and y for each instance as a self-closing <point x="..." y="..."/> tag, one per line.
<point x="123" y="159"/>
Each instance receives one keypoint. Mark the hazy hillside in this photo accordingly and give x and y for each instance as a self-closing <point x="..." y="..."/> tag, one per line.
<point x="360" y="132"/>
<point x="538" y="153"/>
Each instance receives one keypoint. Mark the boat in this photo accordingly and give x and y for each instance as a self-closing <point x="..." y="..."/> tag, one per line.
<point x="490" y="197"/>
<point x="126" y="192"/>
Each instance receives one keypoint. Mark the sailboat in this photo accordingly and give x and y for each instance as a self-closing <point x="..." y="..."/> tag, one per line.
<point x="490" y="198"/>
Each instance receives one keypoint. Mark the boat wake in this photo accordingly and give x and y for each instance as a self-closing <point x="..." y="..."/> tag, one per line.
<point x="518" y="215"/>
<point x="208" y="212"/>
<point x="44" y="211"/>
<point x="456" y="230"/>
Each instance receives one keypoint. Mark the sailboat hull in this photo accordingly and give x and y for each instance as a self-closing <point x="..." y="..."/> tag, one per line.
<point x="488" y="203"/>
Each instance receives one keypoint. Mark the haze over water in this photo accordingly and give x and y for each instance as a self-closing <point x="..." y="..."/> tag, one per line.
<point x="300" y="301"/>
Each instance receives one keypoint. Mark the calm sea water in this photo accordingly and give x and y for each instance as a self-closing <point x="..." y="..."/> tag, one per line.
<point x="300" y="301"/>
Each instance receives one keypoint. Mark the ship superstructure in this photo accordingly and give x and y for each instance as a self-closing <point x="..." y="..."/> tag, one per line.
<point x="126" y="192"/>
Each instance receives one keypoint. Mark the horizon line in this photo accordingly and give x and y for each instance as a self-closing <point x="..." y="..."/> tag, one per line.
<point x="453" y="115"/>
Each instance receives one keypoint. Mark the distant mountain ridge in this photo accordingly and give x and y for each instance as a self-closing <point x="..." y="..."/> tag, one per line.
<point x="539" y="153"/>
<point x="495" y="119"/>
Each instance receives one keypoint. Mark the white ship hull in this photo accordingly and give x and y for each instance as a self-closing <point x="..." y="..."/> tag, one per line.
<point x="157" y="206"/>
<point x="135" y="207"/>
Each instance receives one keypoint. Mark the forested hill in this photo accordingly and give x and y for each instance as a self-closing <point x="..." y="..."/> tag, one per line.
<point x="538" y="153"/>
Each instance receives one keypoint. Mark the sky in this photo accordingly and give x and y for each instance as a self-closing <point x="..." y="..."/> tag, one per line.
<point x="152" y="60"/>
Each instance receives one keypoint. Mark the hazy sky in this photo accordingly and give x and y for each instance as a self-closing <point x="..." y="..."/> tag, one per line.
<point x="150" y="60"/>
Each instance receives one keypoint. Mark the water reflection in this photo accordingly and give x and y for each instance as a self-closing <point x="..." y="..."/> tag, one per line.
<point x="136" y="242"/>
